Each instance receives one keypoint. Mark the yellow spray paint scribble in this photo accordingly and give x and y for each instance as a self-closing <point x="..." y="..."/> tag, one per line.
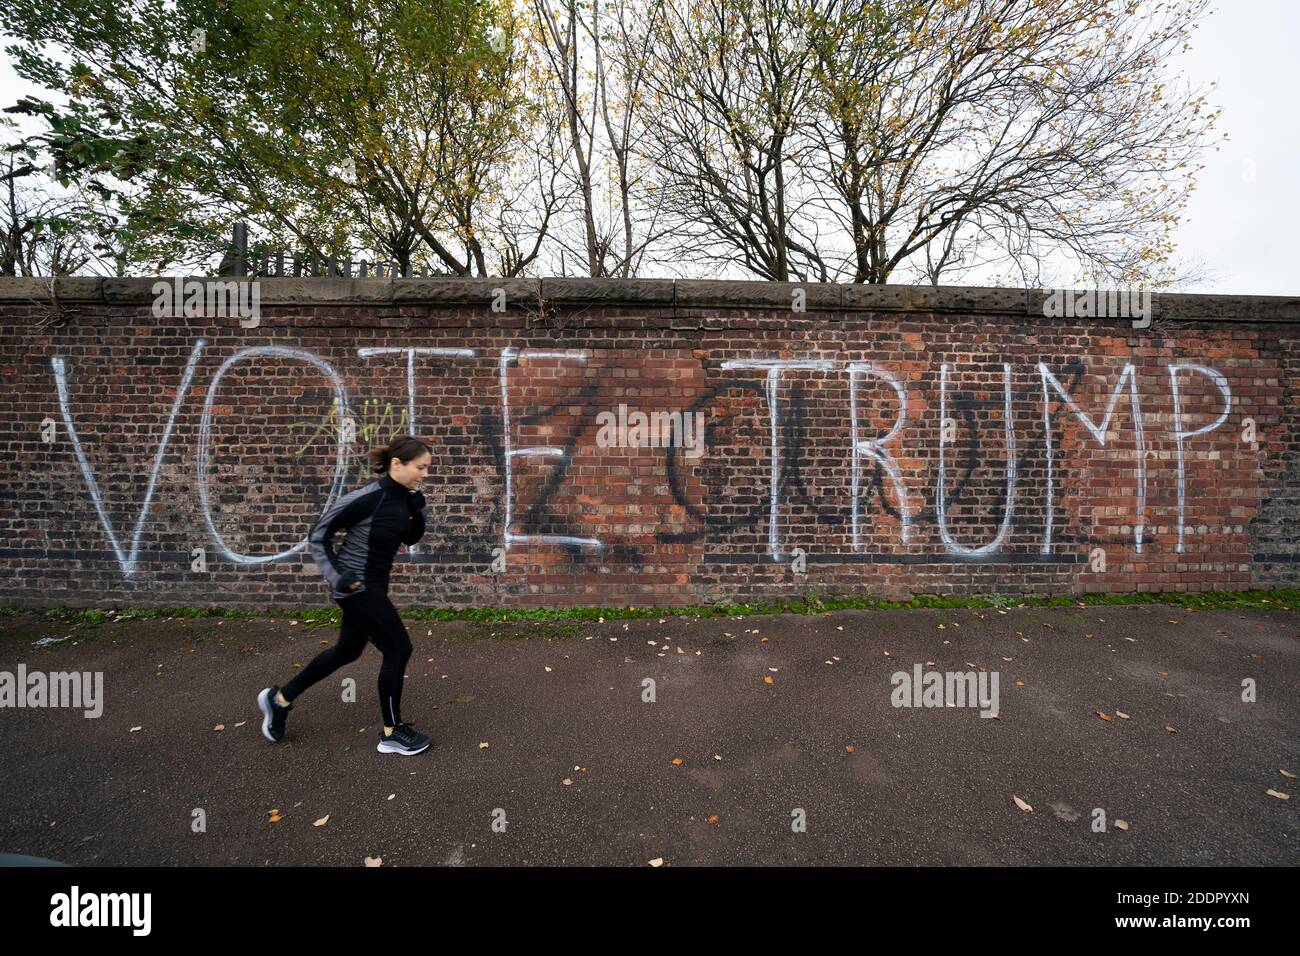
<point x="368" y="420"/>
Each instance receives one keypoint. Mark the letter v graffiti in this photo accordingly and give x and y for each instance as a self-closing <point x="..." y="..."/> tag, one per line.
<point x="127" y="561"/>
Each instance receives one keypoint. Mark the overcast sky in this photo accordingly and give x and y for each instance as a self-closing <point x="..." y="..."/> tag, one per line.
<point x="1242" y="221"/>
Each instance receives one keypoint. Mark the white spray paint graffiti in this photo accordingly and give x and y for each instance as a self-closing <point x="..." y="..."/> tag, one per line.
<point x="1180" y="435"/>
<point x="874" y="447"/>
<point x="941" y="496"/>
<point x="510" y="356"/>
<point x="862" y="449"/>
<point x="61" y="384"/>
<point x="1099" y="432"/>
<point x="410" y="369"/>
<point x="774" y="368"/>
<point x="205" y="432"/>
<point x="411" y="352"/>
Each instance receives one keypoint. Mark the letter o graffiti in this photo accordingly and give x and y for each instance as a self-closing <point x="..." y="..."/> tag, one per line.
<point x="205" y="430"/>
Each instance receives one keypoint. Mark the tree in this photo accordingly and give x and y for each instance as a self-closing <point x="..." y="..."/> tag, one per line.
<point x="592" y="77"/>
<point x="864" y="140"/>
<point x="391" y="122"/>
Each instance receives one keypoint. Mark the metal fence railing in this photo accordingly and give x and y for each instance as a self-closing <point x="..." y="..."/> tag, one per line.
<point x="240" y="261"/>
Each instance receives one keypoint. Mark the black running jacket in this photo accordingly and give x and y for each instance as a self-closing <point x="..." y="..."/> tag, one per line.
<point x="379" y="517"/>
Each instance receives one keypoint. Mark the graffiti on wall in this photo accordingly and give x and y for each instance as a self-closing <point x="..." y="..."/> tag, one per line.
<point x="874" y="468"/>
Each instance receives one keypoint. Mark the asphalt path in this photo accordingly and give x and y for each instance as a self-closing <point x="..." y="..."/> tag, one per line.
<point x="763" y="740"/>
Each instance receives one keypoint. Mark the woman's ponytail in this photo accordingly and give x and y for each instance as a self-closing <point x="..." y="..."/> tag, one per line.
<point x="403" y="448"/>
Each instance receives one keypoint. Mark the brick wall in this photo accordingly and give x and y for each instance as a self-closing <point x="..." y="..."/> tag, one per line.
<point x="161" y="461"/>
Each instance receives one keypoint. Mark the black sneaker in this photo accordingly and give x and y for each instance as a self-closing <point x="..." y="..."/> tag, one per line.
<point x="404" y="739"/>
<point x="273" y="715"/>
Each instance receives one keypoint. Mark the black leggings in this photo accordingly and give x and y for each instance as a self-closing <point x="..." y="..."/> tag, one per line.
<point x="367" y="614"/>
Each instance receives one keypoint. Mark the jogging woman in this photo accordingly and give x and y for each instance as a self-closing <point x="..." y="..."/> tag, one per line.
<point x="379" y="517"/>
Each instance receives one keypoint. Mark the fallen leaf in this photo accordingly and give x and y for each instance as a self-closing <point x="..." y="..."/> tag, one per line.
<point x="1278" y="793"/>
<point x="713" y="819"/>
<point x="322" y="821"/>
<point x="391" y="796"/>
<point x="1171" y="728"/>
<point x="134" y="729"/>
<point x="1020" y="683"/>
<point x="657" y="861"/>
<point x="374" y="861"/>
<point x="677" y="761"/>
<point x="219" y="727"/>
<point x="482" y="745"/>
<point x="767" y="679"/>
<point x="566" y="781"/>
<point x="1121" y="824"/>
<point x="273" y="816"/>
<point x="1287" y="773"/>
<point x="1022" y="805"/>
<point x="1121" y="715"/>
<point x="1103" y="715"/>
<point x="848" y="748"/>
<point x="241" y="723"/>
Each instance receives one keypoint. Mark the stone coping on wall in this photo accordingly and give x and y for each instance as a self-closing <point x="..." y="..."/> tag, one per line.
<point x="677" y="294"/>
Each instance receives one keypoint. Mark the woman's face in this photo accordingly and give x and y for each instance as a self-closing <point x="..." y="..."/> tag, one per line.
<point x="412" y="472"/>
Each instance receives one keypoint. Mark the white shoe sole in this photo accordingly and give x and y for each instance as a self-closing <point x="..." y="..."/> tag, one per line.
<point x="386" y="748"/>
<point x="263" y="701"/>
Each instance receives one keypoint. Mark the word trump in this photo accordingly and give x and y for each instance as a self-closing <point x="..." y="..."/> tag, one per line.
<point x="946" y="689"/>
<point x="638" y="429"/>
<point x="57" y="689"/>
